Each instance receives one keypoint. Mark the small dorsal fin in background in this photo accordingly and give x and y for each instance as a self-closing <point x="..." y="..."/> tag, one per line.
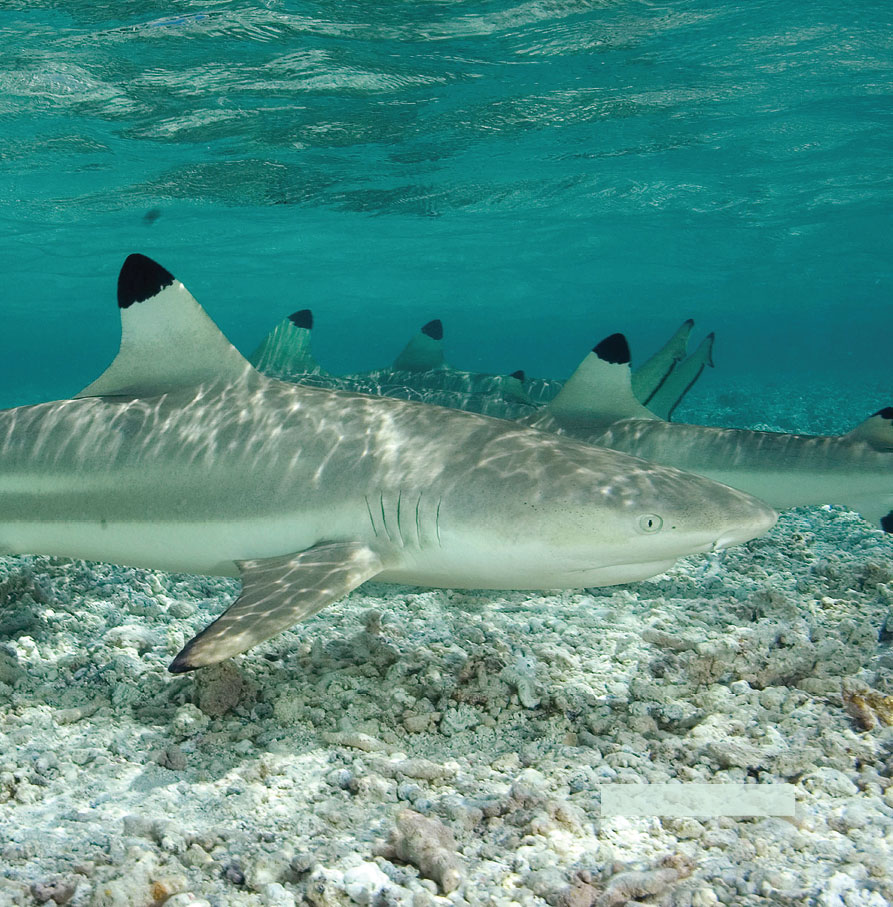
<point x="680" y="381"/>
<point x="424" y="352"/>
<point x="649" y="376"/>
<point x="599" y="391"/>
<point x="877" y="430"/>
<point x="167" y="339"/>
<point x="288" y="348"/>
<point x="513" y="388"/>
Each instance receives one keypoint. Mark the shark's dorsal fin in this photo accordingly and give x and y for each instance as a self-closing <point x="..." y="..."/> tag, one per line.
<point x="287" y="349"/>
<point x="681" y="380"/>
<point x="513" y="388"/>
<point x="649" y="376"/>
<point x="877" y="430"/>
<point x="167" y="339"/>
<point x="599" y="391"/>
<point x="424" y="352"/>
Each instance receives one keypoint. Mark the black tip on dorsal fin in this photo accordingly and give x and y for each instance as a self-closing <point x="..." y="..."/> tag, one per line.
<point x="613" y="349"/>
<point x="302" y="319"/>
<point x="141" y="279"/>
<point x="519" y="375"/>
<point x="689" y="323"/>
<point x="885" y="413"/>
<point x="887" y="522"/>
<point x="433" y="329"/>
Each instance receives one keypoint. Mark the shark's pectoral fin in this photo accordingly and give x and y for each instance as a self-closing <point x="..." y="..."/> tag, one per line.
<point x="278" y="592"/>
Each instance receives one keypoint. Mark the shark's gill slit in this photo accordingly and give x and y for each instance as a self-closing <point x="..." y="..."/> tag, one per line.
<point x="399" y="527"/>
<point x="371" y="518"/>
<point x="384" y="519"/>
<point x="418" y="520"/>
<point x="437" y="522"/>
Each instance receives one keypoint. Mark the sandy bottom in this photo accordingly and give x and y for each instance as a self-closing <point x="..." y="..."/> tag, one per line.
<point x="420" y="747"/>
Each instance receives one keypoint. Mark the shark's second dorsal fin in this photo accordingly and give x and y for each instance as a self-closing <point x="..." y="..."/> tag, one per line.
<point x="599" y="391"/>
<point x="424" y="352"/>
<point x="167" y="339"/>
<point x="877" y="430"/>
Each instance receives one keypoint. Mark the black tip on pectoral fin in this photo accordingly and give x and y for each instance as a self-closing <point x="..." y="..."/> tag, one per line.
<point x="613" y="349"/>
<point x="519" y="375"/>
<point x="140" y="279"/>
<point x="433" y="329"/>
<point x="302" y="319"/>
<point x="887" y="522"/>
<point x="885" y="413"/>
<point x="180" y="665"/>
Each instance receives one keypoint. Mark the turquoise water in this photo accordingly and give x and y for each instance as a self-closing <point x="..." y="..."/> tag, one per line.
<point x="537" y="174"/>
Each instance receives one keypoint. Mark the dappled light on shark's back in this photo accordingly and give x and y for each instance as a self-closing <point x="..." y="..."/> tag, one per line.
<point x="181" y="456"/>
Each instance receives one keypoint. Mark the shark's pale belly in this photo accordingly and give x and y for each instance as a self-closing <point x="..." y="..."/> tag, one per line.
<point x="213" y="548"/>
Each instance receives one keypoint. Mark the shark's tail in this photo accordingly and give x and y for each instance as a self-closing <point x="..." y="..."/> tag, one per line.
<point x="287" y="349"/>
<point x="877" y="432"/>
<point x="649" y="377"/>
<point x="681" y="380"/>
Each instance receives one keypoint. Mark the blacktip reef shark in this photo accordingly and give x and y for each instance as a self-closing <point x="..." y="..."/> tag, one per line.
<point x="181" y="456"/>
<point x="419" y="372"/>
<point x="597" y="405"/>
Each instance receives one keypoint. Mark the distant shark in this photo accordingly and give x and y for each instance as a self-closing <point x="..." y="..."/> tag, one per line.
<point x="420" y="372"/>
<point x="181" y="456"/>
<point x="597" y="405"/>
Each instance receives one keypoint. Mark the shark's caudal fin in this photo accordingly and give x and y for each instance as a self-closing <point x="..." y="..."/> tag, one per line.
<point x="287" y="349"/>
<point x="167" y="339"/>
<point x="649" y="376"/>
<point x="680" y="381"/>
<point x="877" y="430"/>
<point x="278" y="592"/>
<point x="599" y="391"/>
<point x="424" y="352"/>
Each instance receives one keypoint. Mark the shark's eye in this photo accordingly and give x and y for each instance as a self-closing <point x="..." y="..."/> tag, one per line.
<point x="650" y="522"/>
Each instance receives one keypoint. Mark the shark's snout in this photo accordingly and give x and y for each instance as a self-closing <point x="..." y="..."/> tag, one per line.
<point x="756" y="519"/>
